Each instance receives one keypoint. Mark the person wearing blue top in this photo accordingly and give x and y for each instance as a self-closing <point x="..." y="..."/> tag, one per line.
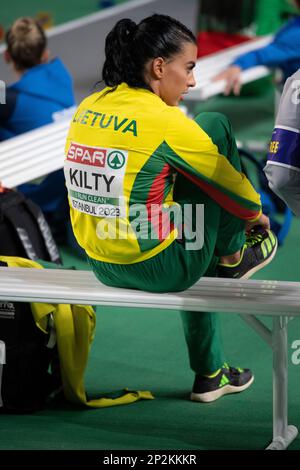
<point x="42" y="94"/>
<point x="283" y="52"/>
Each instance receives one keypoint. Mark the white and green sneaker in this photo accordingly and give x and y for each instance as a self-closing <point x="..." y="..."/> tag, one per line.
<point x="257" y="252"/>
<point x="227" y="380"/>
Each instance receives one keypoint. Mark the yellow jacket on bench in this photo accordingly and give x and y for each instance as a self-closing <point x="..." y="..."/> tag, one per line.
<point x="75" y="327"/>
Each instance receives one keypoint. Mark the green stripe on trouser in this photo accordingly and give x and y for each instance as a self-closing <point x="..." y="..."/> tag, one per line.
<point x="176" y="268"/>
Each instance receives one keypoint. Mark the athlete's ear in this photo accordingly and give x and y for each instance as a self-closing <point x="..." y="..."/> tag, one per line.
<point x="158" y="67"/>
<point x="45" y="56"/>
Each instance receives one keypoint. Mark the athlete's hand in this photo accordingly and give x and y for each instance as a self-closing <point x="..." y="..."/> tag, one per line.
<point x="232" y="77"/>
<point x="263" y="221"/>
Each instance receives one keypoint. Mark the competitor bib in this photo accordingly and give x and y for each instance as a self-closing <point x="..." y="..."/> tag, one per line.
<point x="95" y="179"/>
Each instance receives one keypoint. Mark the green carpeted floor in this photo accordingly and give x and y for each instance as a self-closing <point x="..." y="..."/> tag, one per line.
<point x="145" y="349"/>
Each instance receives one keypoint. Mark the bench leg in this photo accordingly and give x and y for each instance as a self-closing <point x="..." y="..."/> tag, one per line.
<point x="283" y="434"/>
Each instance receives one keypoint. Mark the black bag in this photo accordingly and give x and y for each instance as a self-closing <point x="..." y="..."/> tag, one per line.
<point x="24" y="230"/>
<point x="30" y="370"/>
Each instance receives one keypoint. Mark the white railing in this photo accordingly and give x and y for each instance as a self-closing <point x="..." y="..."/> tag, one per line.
<point x="209" y="66"/>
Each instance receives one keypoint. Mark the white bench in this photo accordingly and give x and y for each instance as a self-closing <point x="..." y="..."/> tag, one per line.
<point x="33" y="154"/>
<point x="211" y="65"/>
<point x="277" y="299"/>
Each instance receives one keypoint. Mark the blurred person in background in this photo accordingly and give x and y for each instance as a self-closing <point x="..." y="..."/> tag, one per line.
<point x="283" y="53"/>
<point x="43" y="93"/>
<point x="283" y="164"/>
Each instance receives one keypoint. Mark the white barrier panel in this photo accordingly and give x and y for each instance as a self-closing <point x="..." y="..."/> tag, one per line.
<point x="33" y="154"/>
<point x="210" y="66"/>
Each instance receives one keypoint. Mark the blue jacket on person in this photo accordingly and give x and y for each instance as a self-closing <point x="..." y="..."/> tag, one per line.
<point x="282" y="52"/>
<point x="41" y="96"/>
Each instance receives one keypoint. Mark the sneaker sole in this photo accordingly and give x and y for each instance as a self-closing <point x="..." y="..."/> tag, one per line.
<point x="212" y="396"/>
<point x="252" y="271"/>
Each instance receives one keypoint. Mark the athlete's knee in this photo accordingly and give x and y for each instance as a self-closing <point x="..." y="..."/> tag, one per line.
<point x="219" y="129"/>
<point x="214" y="122"/>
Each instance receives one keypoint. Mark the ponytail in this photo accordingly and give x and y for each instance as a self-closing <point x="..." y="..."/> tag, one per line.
<point x="118" y="66"/>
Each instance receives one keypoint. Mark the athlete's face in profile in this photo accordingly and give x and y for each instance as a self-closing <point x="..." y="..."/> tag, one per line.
<point x="175" y="75"/>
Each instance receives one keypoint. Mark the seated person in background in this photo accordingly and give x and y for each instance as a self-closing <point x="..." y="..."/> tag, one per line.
<point x="42" y="94"/>
<point x="283" y="166"/>
<point x="283" y="52"/>
<point x="126" y="205"/>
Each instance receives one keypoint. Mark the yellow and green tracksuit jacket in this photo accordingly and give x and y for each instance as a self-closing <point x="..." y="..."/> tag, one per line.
<point x="122" y="150"/>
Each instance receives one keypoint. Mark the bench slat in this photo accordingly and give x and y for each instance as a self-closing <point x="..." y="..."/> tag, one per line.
<point x="209" y="294"/>
<point x="33" y="154"/>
